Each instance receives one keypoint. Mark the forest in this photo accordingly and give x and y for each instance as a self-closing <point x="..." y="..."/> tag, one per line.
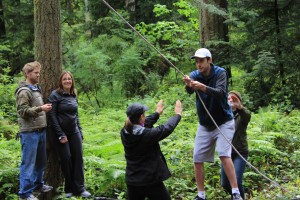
<point x="128" y="51"/>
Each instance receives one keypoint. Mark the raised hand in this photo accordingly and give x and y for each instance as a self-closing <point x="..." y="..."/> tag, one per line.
<point x="236" y="102"/>
<point x="178" y="107"/>
<point x="160" y="107"/>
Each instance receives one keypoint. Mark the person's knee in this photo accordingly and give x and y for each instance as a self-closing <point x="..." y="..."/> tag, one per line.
<point x="198" y="165"/>
<point x="199" y="168"/>
<point x="226" y="161"/>
<point x="225" y="158"/>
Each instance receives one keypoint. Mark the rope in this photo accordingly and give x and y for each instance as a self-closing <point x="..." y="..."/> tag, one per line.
<point x="197" y="92"/>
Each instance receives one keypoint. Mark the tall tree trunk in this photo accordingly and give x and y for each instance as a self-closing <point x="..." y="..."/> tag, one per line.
<point x="279" y="45"/>
<point x="2" y="22"/>
<point x="212" y="27"/>
<point x="48" y="52"/>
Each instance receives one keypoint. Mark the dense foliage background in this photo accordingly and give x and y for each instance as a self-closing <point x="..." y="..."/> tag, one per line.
<point x="114" y="67"/>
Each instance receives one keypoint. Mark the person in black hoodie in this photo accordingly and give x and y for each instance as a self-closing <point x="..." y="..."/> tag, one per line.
<point x="146" y="167"/>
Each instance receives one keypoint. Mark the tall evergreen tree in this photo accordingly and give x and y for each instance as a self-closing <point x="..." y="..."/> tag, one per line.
<point x="48" y="52"/>
<point x="214" y="30"/>
<point x="268" y="48"/>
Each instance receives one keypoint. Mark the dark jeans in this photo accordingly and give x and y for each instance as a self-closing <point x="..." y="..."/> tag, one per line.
<point x="153" y="192"/>
<point x="33" y="161"/>
<point x="239" y="166"/>
<point x="71" y="161"/>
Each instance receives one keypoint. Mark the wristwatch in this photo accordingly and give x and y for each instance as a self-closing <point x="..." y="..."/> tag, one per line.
<point x="61" y="137"/>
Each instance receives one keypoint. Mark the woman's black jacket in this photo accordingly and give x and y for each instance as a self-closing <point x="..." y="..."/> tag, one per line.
<point x="63" y="117"/>
<point x="146" y="164"/>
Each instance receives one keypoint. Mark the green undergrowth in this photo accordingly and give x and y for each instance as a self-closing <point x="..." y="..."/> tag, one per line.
<point x="274" y="148"/>
<point x="273" y="142"/>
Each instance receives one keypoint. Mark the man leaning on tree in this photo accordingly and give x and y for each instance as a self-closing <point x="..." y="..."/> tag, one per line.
<point x="31" y="112"/>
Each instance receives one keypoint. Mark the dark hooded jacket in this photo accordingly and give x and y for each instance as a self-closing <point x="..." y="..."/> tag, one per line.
<point x="242" y="118"/>
<point x="63" y="117"/>
<point x="146" y="164"/>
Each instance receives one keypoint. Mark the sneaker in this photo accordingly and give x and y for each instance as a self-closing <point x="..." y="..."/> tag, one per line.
<point x="199" y="198"/>
<point x="68" y="195"/>
<point x="236" y="196"/>
<point x="31" y="197"/>
<point x="46" y="188"/>
<point x="85" y="194"/>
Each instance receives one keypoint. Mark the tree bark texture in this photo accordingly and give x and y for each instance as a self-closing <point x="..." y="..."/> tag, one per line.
<point x="212" y="25"/>
<point x="48" y="52"/>
<point x="48" y="42"/>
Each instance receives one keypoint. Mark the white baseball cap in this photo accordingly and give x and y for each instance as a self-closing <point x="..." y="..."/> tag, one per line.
<point x="202" y="53"/>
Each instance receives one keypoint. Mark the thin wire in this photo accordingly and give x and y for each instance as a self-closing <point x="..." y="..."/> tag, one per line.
<point x="197" y="92"/>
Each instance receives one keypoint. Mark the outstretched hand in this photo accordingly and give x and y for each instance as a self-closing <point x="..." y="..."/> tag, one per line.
<point x="160" y="107"/>
<point x="178" y="107"/>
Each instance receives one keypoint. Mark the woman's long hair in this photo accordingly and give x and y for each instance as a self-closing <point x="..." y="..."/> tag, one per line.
<point x="128" y="126"/>
<point x="60" y="88"/>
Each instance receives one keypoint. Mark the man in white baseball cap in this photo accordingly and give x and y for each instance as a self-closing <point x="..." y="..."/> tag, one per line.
<point x="202" y="53"/>
<point x="210" y="83"/>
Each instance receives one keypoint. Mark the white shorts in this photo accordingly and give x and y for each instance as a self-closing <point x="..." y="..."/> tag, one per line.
<point x="206" y="141"/>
